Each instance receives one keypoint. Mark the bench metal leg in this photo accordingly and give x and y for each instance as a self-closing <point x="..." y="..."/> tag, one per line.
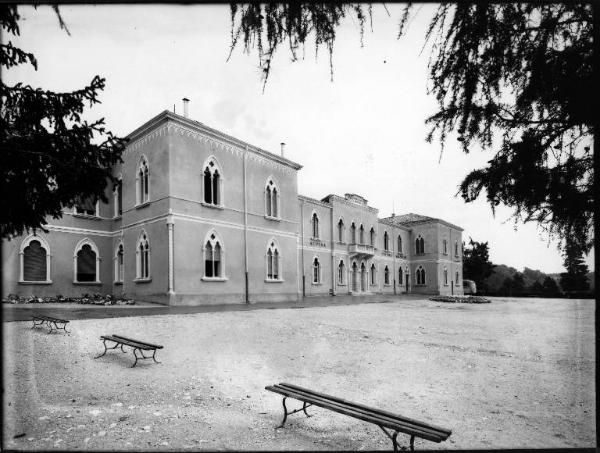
<point x="136" y="357"/>
<point x="412" y="443"/>
<point x="392" y="437"/>
<point x="286" y="413"/>
<point x="106" y="349"/>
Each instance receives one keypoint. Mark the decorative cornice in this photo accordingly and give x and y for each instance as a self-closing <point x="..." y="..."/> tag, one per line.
<point x="314" y="201"/>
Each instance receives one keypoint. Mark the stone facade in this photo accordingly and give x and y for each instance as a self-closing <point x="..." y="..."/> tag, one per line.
<point x="204" y="218"/>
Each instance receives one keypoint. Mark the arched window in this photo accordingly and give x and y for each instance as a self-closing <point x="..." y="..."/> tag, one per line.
<point x="315" y="225"/>
<point x="35" y="260"/>
<point x="119" y="264"/>
<point x="372" y="237"/>
<point x="420" y="276"/>
<point x="118" y="197"/>
<point x="445" y="276"/>
<point x="213" y="183"/>
<point x="400" y="277"/>
<point x="143" y="182"/>
<point x="457" y="278"/>
<point x="373" y="275"/>
<point x="143" y="257"/>
<point x="341" y="272"/>
<point x="399" y="244"/>
<point x="316" y="271"/>
<point x="455" y="248"/>
<point x="271" y="199"/>
<point x="341" y="231"/>
<point x="386" y="275"/>
<point x="420" y="246"/>
<point x="273" y="262"/>
<point x="361" y="234"/>
<point x="445" y="247"/>
<point x="86" y="262"/>
<point x="353" y="233"/>
<point x="354" y="276"/>
<point x="386" y="241"/>
<point x="213" y="257"/>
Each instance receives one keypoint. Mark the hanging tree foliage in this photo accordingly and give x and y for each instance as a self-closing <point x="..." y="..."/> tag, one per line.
<point x="512" y="77"/>
<point x="50" y="156"/>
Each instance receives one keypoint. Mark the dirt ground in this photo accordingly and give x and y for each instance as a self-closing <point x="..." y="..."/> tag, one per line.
<point x="510" y="374"/>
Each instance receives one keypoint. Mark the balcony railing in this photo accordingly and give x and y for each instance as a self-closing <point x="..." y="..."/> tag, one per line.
<point x="362" y="249"/>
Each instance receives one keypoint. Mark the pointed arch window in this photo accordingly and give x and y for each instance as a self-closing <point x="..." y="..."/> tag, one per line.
<point x="353" y="233"/>
<point x="372" y="237"/>
<point x="212" y="184"/>
<point x="386" y="241"/>
<point x="341" y="273"/>
<point x="273" y="262"/>
<point x="361" y="234"/>
<point x="315" y="225"/>
<point x="87" y="206"/>
<point x="341" y="231"/>
<point x="119" y="264"/>
<point x="118" y="197"/>
<point x="445" y="247"/>
<point x="399" y="244"/>
<point x="86" y="262"/>
<point x="445" y="276"/>
<point x="400" y="277"/>
<point x="143" y="182"/>
<point x="35" y="260"/>
<point x="316" y="271"/>
<point x="457" y="278"/>
<point x="386" y="275"/>
<point x="272" y="199"/>
<point x="214" y="267"/>
<point x="420" y="276"/>
<point x="373" y="275"/>
<point x="143" y="257"/>
<point x="420" y="246"/>
<point x="455" y="248"/>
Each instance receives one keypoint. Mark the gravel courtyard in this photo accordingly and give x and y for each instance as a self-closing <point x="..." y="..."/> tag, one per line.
<point x="516" y="373"/>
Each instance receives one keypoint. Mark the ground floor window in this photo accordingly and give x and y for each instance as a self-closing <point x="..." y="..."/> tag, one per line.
<point x="86" y="263"/>
<point x="35" y="262"/>
<point x="400" y="281"/>
<point x="373" y="275"/>
<point x="341" y="273"/>
<point x="420" y="276"/>
<point x="445" y="276"/>
<point x="119" y="264"/>
<point x="143" y="257"/>
<point x="273" y="262"/>
<point x="316" y="271"/>
<point x="212" y="258"/>
<point x="386" y="276"/>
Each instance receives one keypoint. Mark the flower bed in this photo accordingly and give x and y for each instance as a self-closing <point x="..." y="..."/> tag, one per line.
<point x="90" y="299"/>
<point x="461" y="299"/>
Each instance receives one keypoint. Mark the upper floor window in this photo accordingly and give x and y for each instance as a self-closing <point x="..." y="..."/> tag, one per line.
<point x="386" y="275"/>
<point x="143" y="257"/>
<point x="420" y="276"/>
<point x="353" y="233"/>
<point x="315" y="225"/>
<point x="372" y="237"/>
<point x="119" y="264"/>
<point x="386" y="241"/>
<point x="273" y="272"/>
<point x="213" y="183"/>
<point x="445" y="276"/>
<point x="361" y="234"/>
<point x="445" y="247"/>
<point x="118" y="197"/>
<point x="455" y="248"/>
<point x="35" y="260"/>
<point x="143" y="182"/>
<point x="316" y="271"/>
<point x="420" y="246"/>
<point x="87" y="206"/>
<point x="399" y="244"/>
<point x="341" y="231"/>
<point x="213" y="267"/>
<point x="86" y="262"/>
<point x="341" y="272"/>
<point x="272" y="199"/>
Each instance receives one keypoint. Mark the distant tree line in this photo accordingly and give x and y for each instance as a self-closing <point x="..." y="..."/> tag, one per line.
<point x="501" y="280"/>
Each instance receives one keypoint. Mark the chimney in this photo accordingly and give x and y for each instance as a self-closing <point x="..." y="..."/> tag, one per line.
<point x="185" y="107"/>
<point x="282" y="149"/>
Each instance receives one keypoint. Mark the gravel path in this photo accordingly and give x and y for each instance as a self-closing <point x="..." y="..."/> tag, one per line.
<point x="510" y="374"/>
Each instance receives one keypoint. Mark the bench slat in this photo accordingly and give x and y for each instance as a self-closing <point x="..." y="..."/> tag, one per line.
<point x="49" y="318"/>
<point x="137" y="341"/>
<point x="133" y="344"/>
<point x="399" y="421"/>
<point x="442" y="431"/>
<point x="353" y="412"/>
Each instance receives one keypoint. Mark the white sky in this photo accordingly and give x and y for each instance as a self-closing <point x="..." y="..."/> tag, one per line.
<point x="362" y="133"/>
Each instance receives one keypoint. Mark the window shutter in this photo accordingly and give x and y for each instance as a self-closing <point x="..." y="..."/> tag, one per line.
<point x="34" y="262"/>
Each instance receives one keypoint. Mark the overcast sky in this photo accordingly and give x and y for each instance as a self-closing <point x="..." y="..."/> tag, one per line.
<point x="363" y="132"/>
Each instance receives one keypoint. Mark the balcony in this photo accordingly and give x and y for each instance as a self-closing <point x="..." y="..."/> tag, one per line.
<point x="361" y="250"/>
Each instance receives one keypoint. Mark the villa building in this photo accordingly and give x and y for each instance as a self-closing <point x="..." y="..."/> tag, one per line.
<point x="200" y="217"/>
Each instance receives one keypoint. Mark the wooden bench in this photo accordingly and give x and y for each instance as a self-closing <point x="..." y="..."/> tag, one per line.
<point x="136" y="345"/>
<point x="50" y="322"/>
<point x="385" y="420"/>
